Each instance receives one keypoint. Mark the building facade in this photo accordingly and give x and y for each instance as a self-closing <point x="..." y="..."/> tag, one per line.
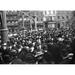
<point x="37" y="17"/>
<point x="62" y="17"/>
<point x="49" y="19"/>
<point x="12" y="18"/>
<point x="35" y="20"/>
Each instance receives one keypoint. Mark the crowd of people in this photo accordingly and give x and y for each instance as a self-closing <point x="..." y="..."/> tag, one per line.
<point x="54" y="46"/>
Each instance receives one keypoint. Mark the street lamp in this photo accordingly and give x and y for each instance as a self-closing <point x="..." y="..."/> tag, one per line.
<point x="23" y="24"/>
<point x="35" y="20"/>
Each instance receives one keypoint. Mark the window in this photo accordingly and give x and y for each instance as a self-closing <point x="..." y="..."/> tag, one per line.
<point x="12" y="21"/>
<point x="58" y="17"/>
<point x="54" y="12"/>
<point x="48" y="12"/>
<point x="45" y="13"/>
<point x="67" y="17"/>
<point x="50" y="18"/>
<point x="41" y="19"/>
<point x="62" y="17"/>
<point x="53" y="18"/>
<point x="37" y="19"/>
<point x="58" y="25"/>
<point x="8" y="21"/>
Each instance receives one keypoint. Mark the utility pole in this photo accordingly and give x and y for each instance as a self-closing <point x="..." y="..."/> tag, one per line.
<point x="31" y="24"/>
<point x="35" y="23"/>
<point x="23" y="20"/>
<point x="4" y="29"/>
<point x="23" y="25"/>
